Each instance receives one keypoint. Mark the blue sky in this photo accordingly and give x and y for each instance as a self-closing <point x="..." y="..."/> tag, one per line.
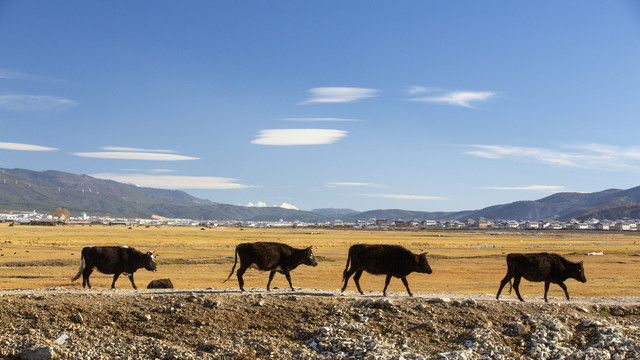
<point x="419" y="105"/>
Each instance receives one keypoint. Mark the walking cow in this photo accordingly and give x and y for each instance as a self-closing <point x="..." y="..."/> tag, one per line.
<point x="390" y="260"/>
<point x="550" y="268"/>
<point x="270" y="256"/>
<point x="113" y="260"/>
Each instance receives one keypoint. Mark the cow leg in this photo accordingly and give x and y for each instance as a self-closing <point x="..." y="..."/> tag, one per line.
<point x="406" y="284"/>
<point x="386" y="284"/>
<point x="516" y="287"/>
<point x="271" y="274"/>
<point x="132" y="283"/>
<point x="346" y="279"/>
<point x="356" y="279"/>
<point x="504" y="282"/>
<point x="115" y="277"/>
<point x="546" y="289"/>
<point x="288" y="276"/>
<point x="85" y="277"/>
<point x="240" y="272"/>
<point x="564" y="287"/>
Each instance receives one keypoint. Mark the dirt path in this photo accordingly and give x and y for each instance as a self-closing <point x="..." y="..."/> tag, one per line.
<point x="312" y="324"/>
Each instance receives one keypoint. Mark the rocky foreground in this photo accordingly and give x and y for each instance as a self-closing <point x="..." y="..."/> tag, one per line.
<point x="310" y="324"/>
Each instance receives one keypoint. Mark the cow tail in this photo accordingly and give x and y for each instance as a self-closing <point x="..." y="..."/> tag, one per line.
<point x="234" y="266"/>
<point x="80" y="269"/>
<point x="344" y="274"/>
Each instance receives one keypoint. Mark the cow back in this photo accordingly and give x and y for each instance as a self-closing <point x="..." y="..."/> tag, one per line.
<point x="116" y="259"/>
<point x="383" y="259"/>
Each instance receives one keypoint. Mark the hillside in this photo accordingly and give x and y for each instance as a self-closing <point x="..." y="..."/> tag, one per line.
<point x="560" y="206"/>
<point x="43" y="191"/>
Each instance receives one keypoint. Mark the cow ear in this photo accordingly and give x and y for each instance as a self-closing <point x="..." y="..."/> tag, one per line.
<point x="310" y="247"/>
<point x="417" y="258"/>
<point x="581" y="263"/>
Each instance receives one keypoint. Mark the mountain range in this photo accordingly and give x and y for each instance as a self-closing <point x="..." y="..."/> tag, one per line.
<point x="44" y="191"/>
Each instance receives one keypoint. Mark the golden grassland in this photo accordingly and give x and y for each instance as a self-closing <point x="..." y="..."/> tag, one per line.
<point x="193" y="257"/>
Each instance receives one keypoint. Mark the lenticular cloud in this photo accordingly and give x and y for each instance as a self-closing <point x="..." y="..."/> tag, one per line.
<point x="290" y="137"/>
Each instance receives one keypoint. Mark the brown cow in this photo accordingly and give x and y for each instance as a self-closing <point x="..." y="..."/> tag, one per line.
<point x="550" y="268"/>
<point x="390" y="260"/>
<point x="113" y="260"/>
<point x="270" y="256"/>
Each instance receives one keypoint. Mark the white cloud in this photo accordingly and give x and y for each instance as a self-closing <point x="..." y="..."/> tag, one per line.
<point x="458" y="98"/>
<point x="414" y="90"/>
<point x="6" y="74"/>
<point x="261" y="204"/>
<point x="351" y="184"/>
<point x="289" y="206"/>
<point x="584" y="156"/>
<point x="24" y="147"/>
<point x="314" y="119"/>
<point x="124" y="155"/>
<point x="13" y="75"/>
<point x="298" y="136"/>
<point x="258" y="204"/>
<point x="174" y="182"/>
<point x="407" y="197"/>
<point x="540" y="188"/>
<point x="34" y="102"/>
<point x="338" y="94"/>
<point x="128" y="149"/>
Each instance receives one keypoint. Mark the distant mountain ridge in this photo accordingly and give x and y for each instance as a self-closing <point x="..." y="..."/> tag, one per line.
<point x="43" y="191"/>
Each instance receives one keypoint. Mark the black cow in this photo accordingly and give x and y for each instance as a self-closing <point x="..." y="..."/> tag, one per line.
<point x="390" y="260"/>
<point x="270" y="256"/>
<point x="160" y="284"/>
<point x="550" y="268"/>
<point x="113" y="260"/>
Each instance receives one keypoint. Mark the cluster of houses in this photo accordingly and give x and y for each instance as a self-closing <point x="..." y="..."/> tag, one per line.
<point x="482" y="223"/>
<point x="34" y="218"/>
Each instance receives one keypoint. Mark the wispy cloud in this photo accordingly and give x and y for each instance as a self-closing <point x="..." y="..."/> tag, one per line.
<point x="298" y="136"/>
<point x="414" y="90"/>
<point x="156" y="171"/>
<point x="124" y="155"/>
<point x="585" y="156"/>
<point x="338" y="94"/>
<point x="24" y="147"/>
<point x="408" y="197"/>
<point x="314" y="119"/>
<point x="8" y="74"/>
<point x="122" y="148"/>
<point x="456" y="98"/>
<point x="174" y="182"/>
<point x="22" y="102"/>
<point x="539" y="188"/>
<point x="352" y="184"/>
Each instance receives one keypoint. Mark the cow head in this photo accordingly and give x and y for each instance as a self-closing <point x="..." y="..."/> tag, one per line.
<point x="309" y="259"/>
<point x="149" y="263"/>
<point x="578" y="272"/>
<point x="422" y="265"/>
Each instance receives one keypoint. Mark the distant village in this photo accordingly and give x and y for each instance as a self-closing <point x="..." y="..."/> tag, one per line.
<point x="35" y="218"/>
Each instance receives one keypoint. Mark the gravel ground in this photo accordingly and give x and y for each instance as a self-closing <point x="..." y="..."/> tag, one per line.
<point x="311" y="324"/>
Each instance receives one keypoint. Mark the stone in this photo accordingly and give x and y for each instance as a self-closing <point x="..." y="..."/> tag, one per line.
<point x="78" y="319"/>
<point x="38" y="353"/>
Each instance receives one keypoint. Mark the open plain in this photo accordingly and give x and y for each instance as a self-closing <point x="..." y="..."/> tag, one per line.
<point x="453" y="314"/>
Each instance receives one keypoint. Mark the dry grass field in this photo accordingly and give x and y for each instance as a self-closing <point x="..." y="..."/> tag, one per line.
<point x="463" y="261"/>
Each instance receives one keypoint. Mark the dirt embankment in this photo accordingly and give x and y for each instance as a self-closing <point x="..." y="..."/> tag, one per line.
<point x="311" y="324"/>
